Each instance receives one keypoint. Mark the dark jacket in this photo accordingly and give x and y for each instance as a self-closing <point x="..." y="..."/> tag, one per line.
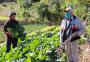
<point x="10" y="24"/>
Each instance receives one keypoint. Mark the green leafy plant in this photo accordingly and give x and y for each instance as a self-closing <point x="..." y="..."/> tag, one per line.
<point x="16" y="31"/>
<point x="37" y="47"/>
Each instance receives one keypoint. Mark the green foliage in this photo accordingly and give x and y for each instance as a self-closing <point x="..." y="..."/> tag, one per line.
<point x="37" y="11"/>
<point x="42" y="10"/>
<point x="80" y="10"/>
<point x="47" y="10"/>
<point x="88" y="29"/>
<point x="24" y="5"/>
<point x="37" y="47"/>
<point x="51" y="10"/>
<point x="28" y="29"/>
<point x="16" y="31"/>
<point x="86" y="35"/>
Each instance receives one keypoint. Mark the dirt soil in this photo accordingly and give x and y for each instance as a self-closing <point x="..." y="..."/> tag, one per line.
<point x="84" y="52"/>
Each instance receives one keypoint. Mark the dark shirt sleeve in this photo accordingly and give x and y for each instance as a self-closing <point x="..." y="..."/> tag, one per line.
<point x="6" y="26"/>
<point x="10" y="24"/>
<point x="18" y="23"/>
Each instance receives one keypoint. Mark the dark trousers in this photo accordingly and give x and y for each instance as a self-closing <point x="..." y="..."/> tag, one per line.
<point x="10" y="41"/>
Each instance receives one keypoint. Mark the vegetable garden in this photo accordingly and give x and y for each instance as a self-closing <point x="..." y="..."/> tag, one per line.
<point x="38" y="46"/>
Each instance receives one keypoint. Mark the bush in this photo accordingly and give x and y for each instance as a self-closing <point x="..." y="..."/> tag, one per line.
<point x="50" y="10"/>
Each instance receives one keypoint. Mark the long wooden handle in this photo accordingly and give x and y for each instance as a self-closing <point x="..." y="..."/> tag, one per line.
<point x="68" y="40"/>
<point x="62" y="46"/>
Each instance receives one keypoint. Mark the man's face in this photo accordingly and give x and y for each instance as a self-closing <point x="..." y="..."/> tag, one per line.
<point x="68" y="14"/>
<point x="13" y="17"/>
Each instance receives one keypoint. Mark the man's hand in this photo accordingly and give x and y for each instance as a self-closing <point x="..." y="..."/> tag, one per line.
<point x="60" y="48"/>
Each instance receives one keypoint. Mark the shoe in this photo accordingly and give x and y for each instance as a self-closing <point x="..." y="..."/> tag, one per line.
<point x="71" y="61"/>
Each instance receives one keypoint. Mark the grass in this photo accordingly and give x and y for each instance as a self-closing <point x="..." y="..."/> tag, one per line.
<point x="34" y="27"/>
<point x="4" y="18"/>
<point x="2" y="36"/>
<point x="28" y="29"/>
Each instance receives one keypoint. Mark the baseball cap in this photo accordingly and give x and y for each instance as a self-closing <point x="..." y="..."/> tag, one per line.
<point x="12" y="13"/>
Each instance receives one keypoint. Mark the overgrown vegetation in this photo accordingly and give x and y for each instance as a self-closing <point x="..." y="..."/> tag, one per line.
<point x="49" y="10"/>
<point x="52" y="10"/>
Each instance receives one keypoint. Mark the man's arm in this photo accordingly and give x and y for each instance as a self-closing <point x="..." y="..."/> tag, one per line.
<point x="81" y="28"/>
<point x="62" y="27"/>
<point x="5" y="29"/>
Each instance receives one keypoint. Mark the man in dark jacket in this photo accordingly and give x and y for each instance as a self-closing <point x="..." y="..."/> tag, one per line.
<point x="11" y="23"/>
